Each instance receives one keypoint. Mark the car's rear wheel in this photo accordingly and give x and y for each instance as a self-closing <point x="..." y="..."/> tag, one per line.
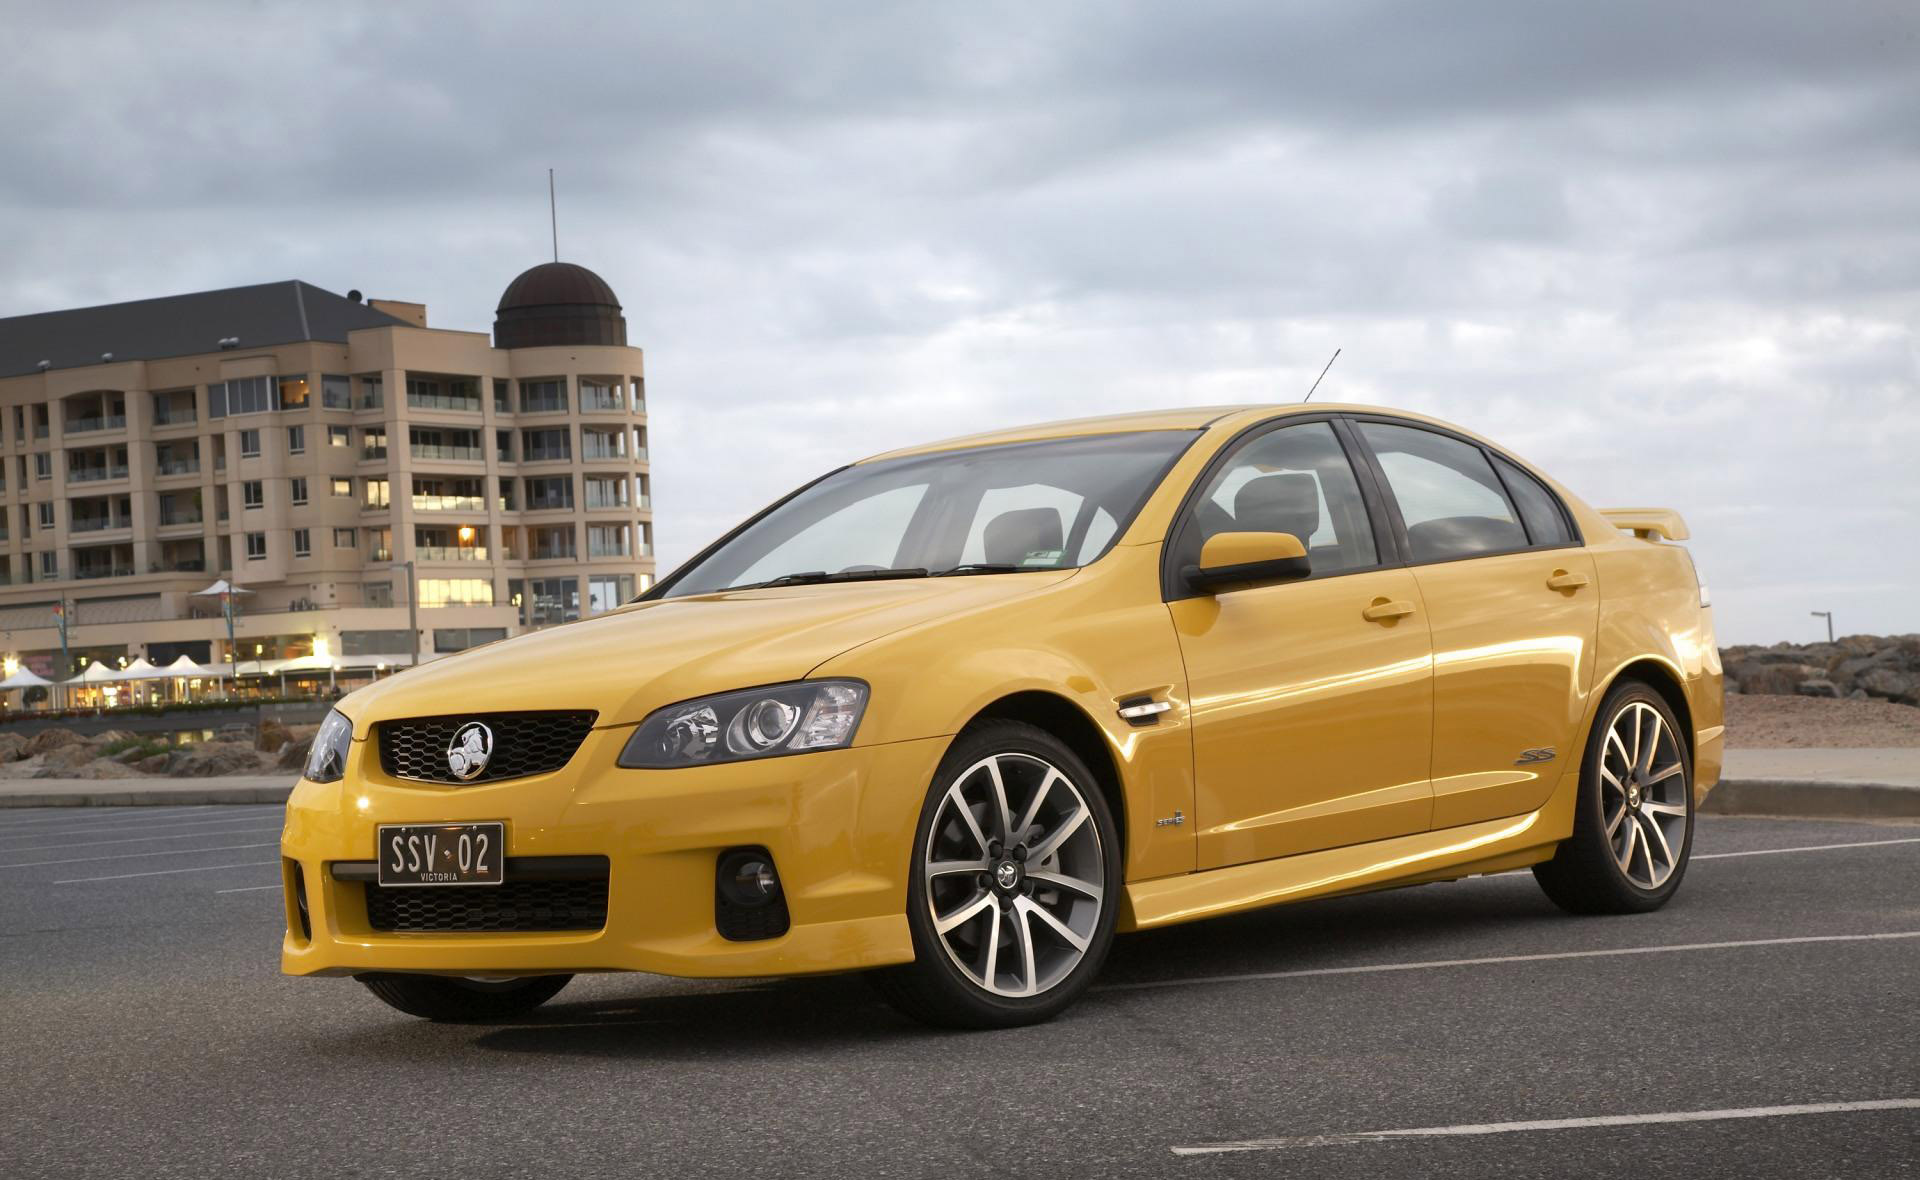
<point x="1633" y="823"/>
<point x="1015" y="881"/>
<point x="464" y="1001"/>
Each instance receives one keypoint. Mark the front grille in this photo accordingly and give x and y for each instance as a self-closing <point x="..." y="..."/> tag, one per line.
<point x="523" y="744"/>
<point x="513" y="906"/>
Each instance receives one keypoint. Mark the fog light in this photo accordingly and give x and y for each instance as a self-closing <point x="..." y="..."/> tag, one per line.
<point x="747" y="878"/>
<point x="748" y="903"/>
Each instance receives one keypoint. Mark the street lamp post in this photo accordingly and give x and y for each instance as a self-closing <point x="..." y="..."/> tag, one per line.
<point x="1828" y="616"/>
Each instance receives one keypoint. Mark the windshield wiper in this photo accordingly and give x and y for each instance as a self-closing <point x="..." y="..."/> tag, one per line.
<point x="813" y="577"/>
<point x="980" y="567"/>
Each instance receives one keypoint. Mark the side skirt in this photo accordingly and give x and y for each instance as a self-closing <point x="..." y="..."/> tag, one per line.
<point x="1487" y="847"/>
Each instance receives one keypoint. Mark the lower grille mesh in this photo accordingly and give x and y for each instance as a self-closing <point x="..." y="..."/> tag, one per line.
<point x="513" y="906"/>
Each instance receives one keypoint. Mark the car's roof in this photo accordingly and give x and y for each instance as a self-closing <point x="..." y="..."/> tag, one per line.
<point x="1182" y="418"/>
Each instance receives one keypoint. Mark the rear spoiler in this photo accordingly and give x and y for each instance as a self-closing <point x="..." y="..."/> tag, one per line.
<point x="1647" y="523"/>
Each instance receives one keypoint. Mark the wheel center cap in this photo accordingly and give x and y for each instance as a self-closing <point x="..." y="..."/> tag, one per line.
<point x="1633" y="795"/>
<point x="1006" y="874"/>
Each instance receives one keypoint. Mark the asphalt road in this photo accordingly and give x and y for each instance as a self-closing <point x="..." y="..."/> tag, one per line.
<point x="144" y="1030"/>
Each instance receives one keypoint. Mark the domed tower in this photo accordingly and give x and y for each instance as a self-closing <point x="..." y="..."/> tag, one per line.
<point x="558" y="303"/>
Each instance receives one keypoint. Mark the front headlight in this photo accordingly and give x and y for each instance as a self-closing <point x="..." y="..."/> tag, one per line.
<point x="327" y="760"/>
<point x="753" y="723"/>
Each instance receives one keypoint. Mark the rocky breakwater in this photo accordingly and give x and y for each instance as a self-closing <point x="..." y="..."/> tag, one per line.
<point x="1862" y="667"/>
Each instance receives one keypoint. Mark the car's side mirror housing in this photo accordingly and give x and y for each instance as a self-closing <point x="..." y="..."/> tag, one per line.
<point x="1242" y="559"/>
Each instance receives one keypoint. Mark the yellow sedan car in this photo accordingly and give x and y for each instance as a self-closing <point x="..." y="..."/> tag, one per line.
<point x="957" y="714"/>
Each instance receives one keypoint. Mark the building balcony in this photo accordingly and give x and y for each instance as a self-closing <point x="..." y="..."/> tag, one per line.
<point x="186" y="565"/>
<point x="170" y="520"/>
<point x="441" y="401"/>
<point x="86" y="572"/>
<point x="424" y="502"/>
<point x="97" y="524"/>
<point x="591" y="453"/>
<point x="379" y="553"/>
<point x="434" y="451"/>
<point x="168" y="467"/>
<point x="96" y="474"/>
<point x="102" y="422"/>
<point x="547" y="455"/>
<point x="607" y="551"/>
<point x="185" y="416"/>
<point x="449" y="553"/>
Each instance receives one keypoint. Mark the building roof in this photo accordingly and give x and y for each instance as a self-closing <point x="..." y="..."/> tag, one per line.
<point x="182" y="325"/>
<point x="557" y="284"/>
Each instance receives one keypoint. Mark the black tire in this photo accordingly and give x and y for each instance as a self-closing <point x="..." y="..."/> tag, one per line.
<point x="933" y="989"/>
<point x="1585" y="875"/>
<point x="451" y="1000"/>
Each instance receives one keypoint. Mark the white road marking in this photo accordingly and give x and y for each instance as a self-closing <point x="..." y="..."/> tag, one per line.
<point x="1805" y="848"/>
<point x="99" y="815"/>
<point x="139" y="823"/>
<point x="21" y="842"/>
<point x="252" y="888"/>
<point x="76" y="860"/>
<point x="252" y="864"/>
<point x="1494" y="960"/>
<point x="1613" y="1120"/>
<point x="215" y="835"/>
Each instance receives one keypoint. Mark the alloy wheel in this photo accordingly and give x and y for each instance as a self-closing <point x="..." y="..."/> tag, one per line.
<point x="1015" y="875"/>
<point x="1643" y="795"/>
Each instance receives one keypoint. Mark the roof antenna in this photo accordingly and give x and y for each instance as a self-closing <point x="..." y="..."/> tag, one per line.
<point x="553" y="215"/>
<point x="1323" y="374"/>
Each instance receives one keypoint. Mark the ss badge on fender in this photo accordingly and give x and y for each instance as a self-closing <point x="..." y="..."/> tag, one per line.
<point x="1537" y="754"/>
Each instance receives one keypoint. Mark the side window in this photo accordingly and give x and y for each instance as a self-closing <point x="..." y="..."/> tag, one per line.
<point x="1450" y="499"/>
<point x="1538" y="509"/>
<point x="1026" y="527"/>
<point x="1292" y="480"/>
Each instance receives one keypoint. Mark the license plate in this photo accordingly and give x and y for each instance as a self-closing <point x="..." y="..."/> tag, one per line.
<point x="442" y="854"/>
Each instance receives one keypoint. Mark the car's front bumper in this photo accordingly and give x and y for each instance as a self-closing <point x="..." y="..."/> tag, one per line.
<point x="840" y="826"/>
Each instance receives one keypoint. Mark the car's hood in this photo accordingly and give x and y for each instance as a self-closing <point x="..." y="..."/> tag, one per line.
<point x="628" y="662"/>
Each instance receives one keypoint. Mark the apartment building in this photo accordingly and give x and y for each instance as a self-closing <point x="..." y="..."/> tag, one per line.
<point x="306" y="446"/>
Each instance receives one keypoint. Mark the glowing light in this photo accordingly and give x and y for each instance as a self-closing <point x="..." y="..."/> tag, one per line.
<point x="322" y="648"/>
<point x="466" y="534"/>
<point x="11" y="665"/>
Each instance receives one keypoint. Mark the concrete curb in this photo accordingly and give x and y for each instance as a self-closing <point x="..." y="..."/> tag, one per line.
<point x="1808" y="799"/>
<point x="113" y="794"/>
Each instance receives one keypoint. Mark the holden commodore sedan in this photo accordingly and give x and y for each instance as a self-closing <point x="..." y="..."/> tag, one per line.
<point x="956" y="715"/>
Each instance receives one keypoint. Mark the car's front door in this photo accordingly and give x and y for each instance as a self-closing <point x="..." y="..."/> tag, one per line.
<point x="1513" y="606"/>
<point x="1311" y="700"/>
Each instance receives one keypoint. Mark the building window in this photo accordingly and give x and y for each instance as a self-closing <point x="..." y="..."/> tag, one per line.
<point x="50" y="565"/>
<point x="253" y="494"/>
<point x="250" y="444"/>
<point x="379" y="594"/>
<point x="302" y="543"/>
<point x="294" y="392"/>
<point x="296" y="440"/>
<point x="606" y="591"/>
<point x="336" y="392"/>
<point x="342" y="486"/>
<point x="371" y="397"/>
<point x="500" y="397"/>
<point x="554" y="491"/>
<point x="43" y="466"/>
<point x="339" y="436"/>
<point x="545" y="396"/>
<point x="256" y="546"/>
<point x="601" y="393"/>
<point x="344" y="539"/>
<point x="540" y="445"/>
<point x="298" y="486"/>
<point x="606" y="540"/>
<point x="456" y="592"/>
<point x="377" y="494"/>
<point x="449" y="393"/>
<point x="373" y="442"/>
<point x="376" y="643"/>
<point x="243" y="395"/>
<point x="546" y="600"/>
<point x="46" y="516"/>
<point x="449" y="639"/>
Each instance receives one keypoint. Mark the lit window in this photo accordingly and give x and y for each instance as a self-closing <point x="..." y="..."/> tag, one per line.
<point x="342" y="486"/>
<point x="294" y="392"/>
<point x="339" y="436"/>
<point x="456" y="592"/>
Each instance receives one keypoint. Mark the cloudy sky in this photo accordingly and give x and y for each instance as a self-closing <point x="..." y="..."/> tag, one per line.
<point x="1669" y="251"/>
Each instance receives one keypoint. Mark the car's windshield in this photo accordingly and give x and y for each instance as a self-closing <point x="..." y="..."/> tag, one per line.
<point x="994" y="509"/>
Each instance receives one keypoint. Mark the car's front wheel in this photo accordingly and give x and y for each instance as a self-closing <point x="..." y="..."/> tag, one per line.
<point x="464" y="1001"/>
<point x="1633" y="822"/>
<point x="1015" y="881"/>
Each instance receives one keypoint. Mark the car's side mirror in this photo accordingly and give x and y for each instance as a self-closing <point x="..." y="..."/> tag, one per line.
<point x="1240" y="559"/>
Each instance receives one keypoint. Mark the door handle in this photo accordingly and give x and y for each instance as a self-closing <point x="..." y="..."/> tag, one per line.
<point x="1563" y="580"/>
<point x="1385" y="610"/>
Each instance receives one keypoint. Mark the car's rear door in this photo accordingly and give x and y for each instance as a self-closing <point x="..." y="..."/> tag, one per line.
<point x="1312" y="700"/>
<point x="1512" y="604"/>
